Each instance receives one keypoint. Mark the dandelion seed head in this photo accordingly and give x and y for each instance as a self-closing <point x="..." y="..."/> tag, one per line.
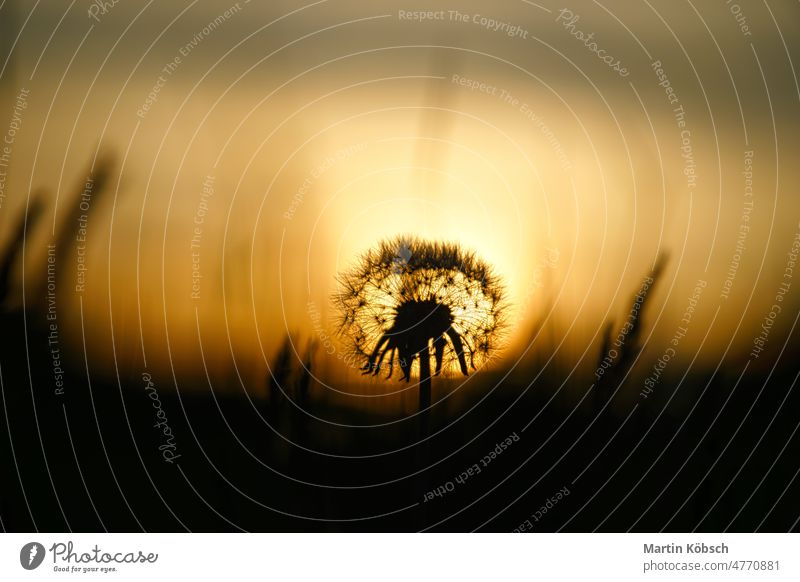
<point x="408" y="296"/>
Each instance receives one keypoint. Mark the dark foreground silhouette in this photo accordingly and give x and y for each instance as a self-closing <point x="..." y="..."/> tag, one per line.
<point x="536" y="448"/>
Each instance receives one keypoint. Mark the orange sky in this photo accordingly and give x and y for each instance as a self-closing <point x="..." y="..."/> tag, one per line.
<point x="565" y="176"/>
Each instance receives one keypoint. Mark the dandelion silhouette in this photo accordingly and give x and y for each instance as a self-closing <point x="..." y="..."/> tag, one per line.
<point x="409" y="298"/>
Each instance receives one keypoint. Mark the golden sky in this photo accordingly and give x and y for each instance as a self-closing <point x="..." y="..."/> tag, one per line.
<point x="324" y="128"/>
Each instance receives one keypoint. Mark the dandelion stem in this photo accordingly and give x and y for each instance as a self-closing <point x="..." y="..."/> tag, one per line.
<point x="424" y="379"/>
